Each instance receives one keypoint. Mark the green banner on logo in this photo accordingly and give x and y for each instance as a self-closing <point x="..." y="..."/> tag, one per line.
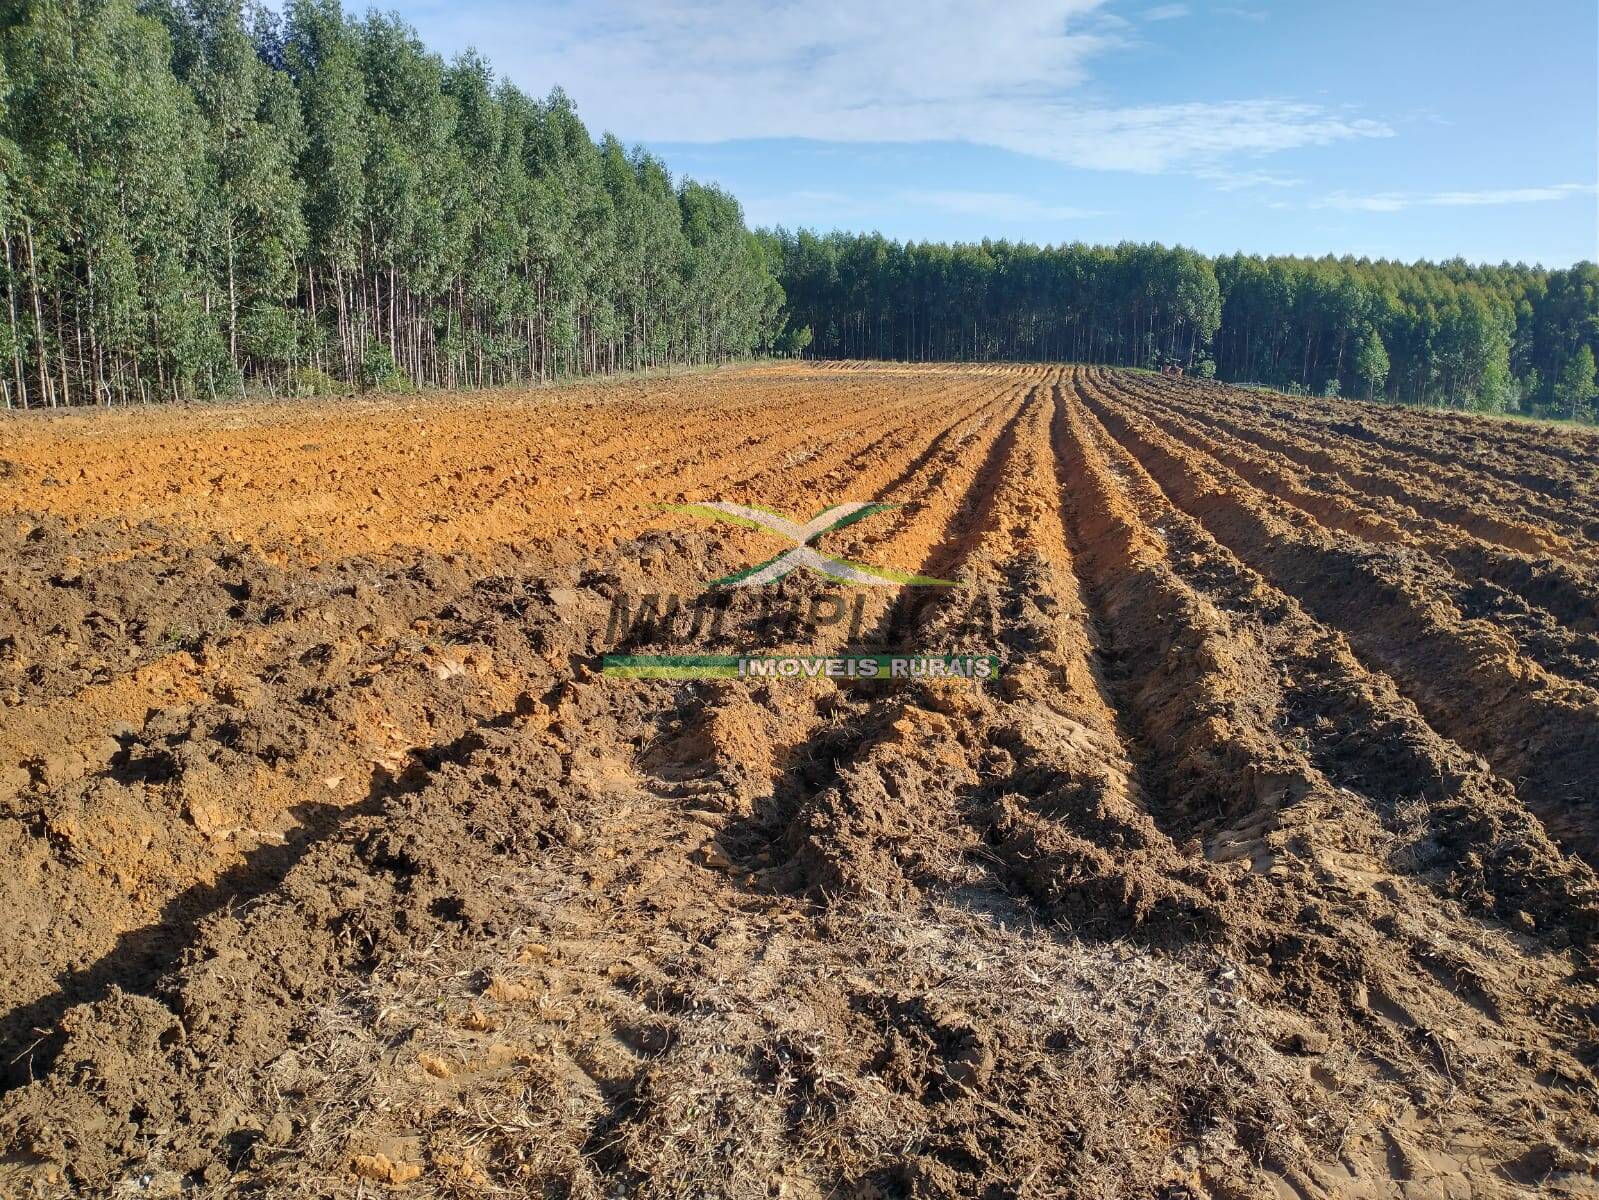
<point x="802" y="666"/>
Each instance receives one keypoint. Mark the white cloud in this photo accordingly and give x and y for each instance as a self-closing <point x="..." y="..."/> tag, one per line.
<point x="851" y="71"/>
<point x="998" y="206"/>
<point x="1243" y="14"/>
<point x="1399" y="201"/>
<point x="1166" y="12"/>
<point x="1235" y="181"/>
<point x="1200" y="136"/>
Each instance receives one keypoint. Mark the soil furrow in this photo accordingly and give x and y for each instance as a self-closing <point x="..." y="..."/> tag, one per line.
<point x="1467" y="677"/>
<point x="834" y="820"/>
<point x="1518" y="518"/>
<point x="1297" y="738"/>
<point x="1479" y="567"/>
<point x="1566" y="589"/>
<point x="1509" y="454"/>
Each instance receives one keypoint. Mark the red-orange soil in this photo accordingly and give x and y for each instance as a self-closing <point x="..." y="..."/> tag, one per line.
<point x="334" y="865"/>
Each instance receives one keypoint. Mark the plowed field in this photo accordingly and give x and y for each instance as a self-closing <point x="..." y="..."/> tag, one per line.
<point x="334" y="865"/>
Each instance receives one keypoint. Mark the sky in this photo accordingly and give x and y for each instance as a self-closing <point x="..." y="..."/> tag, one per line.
<point x="1402" y="129"/>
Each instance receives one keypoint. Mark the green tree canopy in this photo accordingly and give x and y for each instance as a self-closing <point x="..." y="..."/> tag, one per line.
<point x="194" y="202"/>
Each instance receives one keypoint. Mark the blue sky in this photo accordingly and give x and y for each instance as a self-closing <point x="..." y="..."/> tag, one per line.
<point x="1419" y="129"/>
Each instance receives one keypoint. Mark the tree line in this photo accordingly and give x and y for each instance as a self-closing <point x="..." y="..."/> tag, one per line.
<point x="203" y="197"/>
<point x="197" y="198"/>
<point x="1505" y="338"/>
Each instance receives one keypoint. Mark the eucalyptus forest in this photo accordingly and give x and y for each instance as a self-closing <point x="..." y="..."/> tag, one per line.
<point x="203" y="198"/>
<point x="200" y="198"/>
<point x="1488" y="338"/>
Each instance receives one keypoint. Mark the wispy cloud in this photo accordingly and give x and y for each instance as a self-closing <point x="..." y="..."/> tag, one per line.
<point x="1199" y="137"/>
<point x="1244" y="14"/>
<point x="1166" y="12"/>
<point x="843" y="71"/>
<point x="1237" y="181"/>
<point x="998" y="206"/>
<point x="1399" y="201"/>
